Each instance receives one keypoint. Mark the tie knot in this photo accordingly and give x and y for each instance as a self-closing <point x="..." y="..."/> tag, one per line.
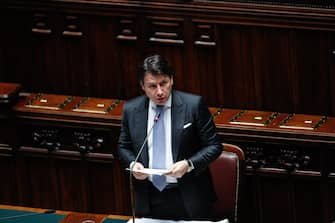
<point x="159" y="108"/>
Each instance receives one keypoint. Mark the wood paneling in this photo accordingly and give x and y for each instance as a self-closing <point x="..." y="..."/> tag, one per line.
<point x="94" y="52"/>
<point x="8" y="187"/>
<point x="237" y="56"/>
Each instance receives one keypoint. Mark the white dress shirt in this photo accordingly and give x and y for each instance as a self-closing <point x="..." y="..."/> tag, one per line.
<point x="167" y="125"/>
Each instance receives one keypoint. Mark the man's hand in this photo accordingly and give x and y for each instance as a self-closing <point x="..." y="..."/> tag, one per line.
<point x="178" y="169"/>
<point x="137" y="175"/>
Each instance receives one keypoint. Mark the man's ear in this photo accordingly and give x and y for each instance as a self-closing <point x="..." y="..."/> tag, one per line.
<point x="142" y="86"/>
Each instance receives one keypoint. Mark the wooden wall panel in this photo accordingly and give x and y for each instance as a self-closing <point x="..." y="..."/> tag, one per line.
<point x="205" y="62"/>
<point x="8" y="186"/>
<point x="36" y="182"/>
<point x="248" y="210"/>
<point x="276" y="195"/>
<point x="73" y="184"/>
<point x="330" y="206"/>
<point x="101" y="202"/>
<point x="250" y="66"/>
<point x="308" y="197"/>
<point x="312" y="53"/>
<point x="129" y="46"/>
<point x="282" y="193"/>
<point x="14" y="46"/>
<point x="329" y="187"/>
<point x="106" y="70"/>
<point x="277" y="74"/>
<point x="275" y="69"/>
<point x="238" y="86"/>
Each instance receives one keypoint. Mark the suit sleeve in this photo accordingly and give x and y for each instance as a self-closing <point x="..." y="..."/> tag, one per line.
<point x="125" y="146"/>
<point x="211" y="146"/>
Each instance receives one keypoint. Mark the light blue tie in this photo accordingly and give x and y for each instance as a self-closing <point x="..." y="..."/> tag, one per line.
<point x="158" y="161"/>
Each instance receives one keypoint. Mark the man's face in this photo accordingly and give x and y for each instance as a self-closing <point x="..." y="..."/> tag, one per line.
<point x="157" y="88"/>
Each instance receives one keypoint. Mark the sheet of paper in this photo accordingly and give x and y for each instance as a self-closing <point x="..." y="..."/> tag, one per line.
<point x="151" y="171"/>
<point x="150" y="220"/>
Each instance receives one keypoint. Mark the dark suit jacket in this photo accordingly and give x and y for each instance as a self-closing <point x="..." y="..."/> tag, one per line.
<point x="198" y="142"/>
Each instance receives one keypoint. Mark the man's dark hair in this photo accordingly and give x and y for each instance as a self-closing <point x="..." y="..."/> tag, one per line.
<point x="155" y="65"/>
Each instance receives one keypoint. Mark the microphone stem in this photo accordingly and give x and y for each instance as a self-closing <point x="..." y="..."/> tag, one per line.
<point x="132" y="193"/>
<point x="142" y="147"/>
<point x="132" y="199"/>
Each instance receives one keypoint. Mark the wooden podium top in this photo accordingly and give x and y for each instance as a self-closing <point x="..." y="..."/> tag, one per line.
<point x="96" y="105"/>
<point x="305" y="122"/>
<point x="109" y="111"/>
<point x="68" y="107"/>
<point x="48" y="101"/>
<point x="254" y="118"/>
<point x="274" y="125"/>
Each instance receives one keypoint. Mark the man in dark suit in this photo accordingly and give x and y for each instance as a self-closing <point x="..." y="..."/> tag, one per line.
<point x="190" y="144"/>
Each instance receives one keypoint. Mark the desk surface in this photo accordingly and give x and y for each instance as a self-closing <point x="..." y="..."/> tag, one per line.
<point x="36" y="215"/>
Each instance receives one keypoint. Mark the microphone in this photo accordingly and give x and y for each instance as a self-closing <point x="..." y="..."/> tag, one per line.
<point x="156" y="118"/>
<point x="26" y="215"/>
<point x="131" y="170"/>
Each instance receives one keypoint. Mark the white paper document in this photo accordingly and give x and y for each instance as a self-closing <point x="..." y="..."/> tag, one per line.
<point x="151" y="220"/>
<point x="151" y="171"/>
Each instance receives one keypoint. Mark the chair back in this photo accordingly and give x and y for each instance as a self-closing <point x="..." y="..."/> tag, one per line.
<point x="225" y="172"/>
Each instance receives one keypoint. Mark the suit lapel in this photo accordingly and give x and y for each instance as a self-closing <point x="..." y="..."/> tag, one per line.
<point x="141" y="115"/>
<point x="177" y="121"/>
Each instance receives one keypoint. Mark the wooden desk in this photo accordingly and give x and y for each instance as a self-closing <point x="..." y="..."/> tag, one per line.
<point x="71" y="142"/>
<point x="8" y="91"/>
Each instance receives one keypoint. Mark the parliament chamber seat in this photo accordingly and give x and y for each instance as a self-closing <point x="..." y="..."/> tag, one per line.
<point x="226" y="172"/>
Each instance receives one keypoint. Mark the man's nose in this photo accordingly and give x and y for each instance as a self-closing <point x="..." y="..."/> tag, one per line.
<point x="159" y="90"/>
